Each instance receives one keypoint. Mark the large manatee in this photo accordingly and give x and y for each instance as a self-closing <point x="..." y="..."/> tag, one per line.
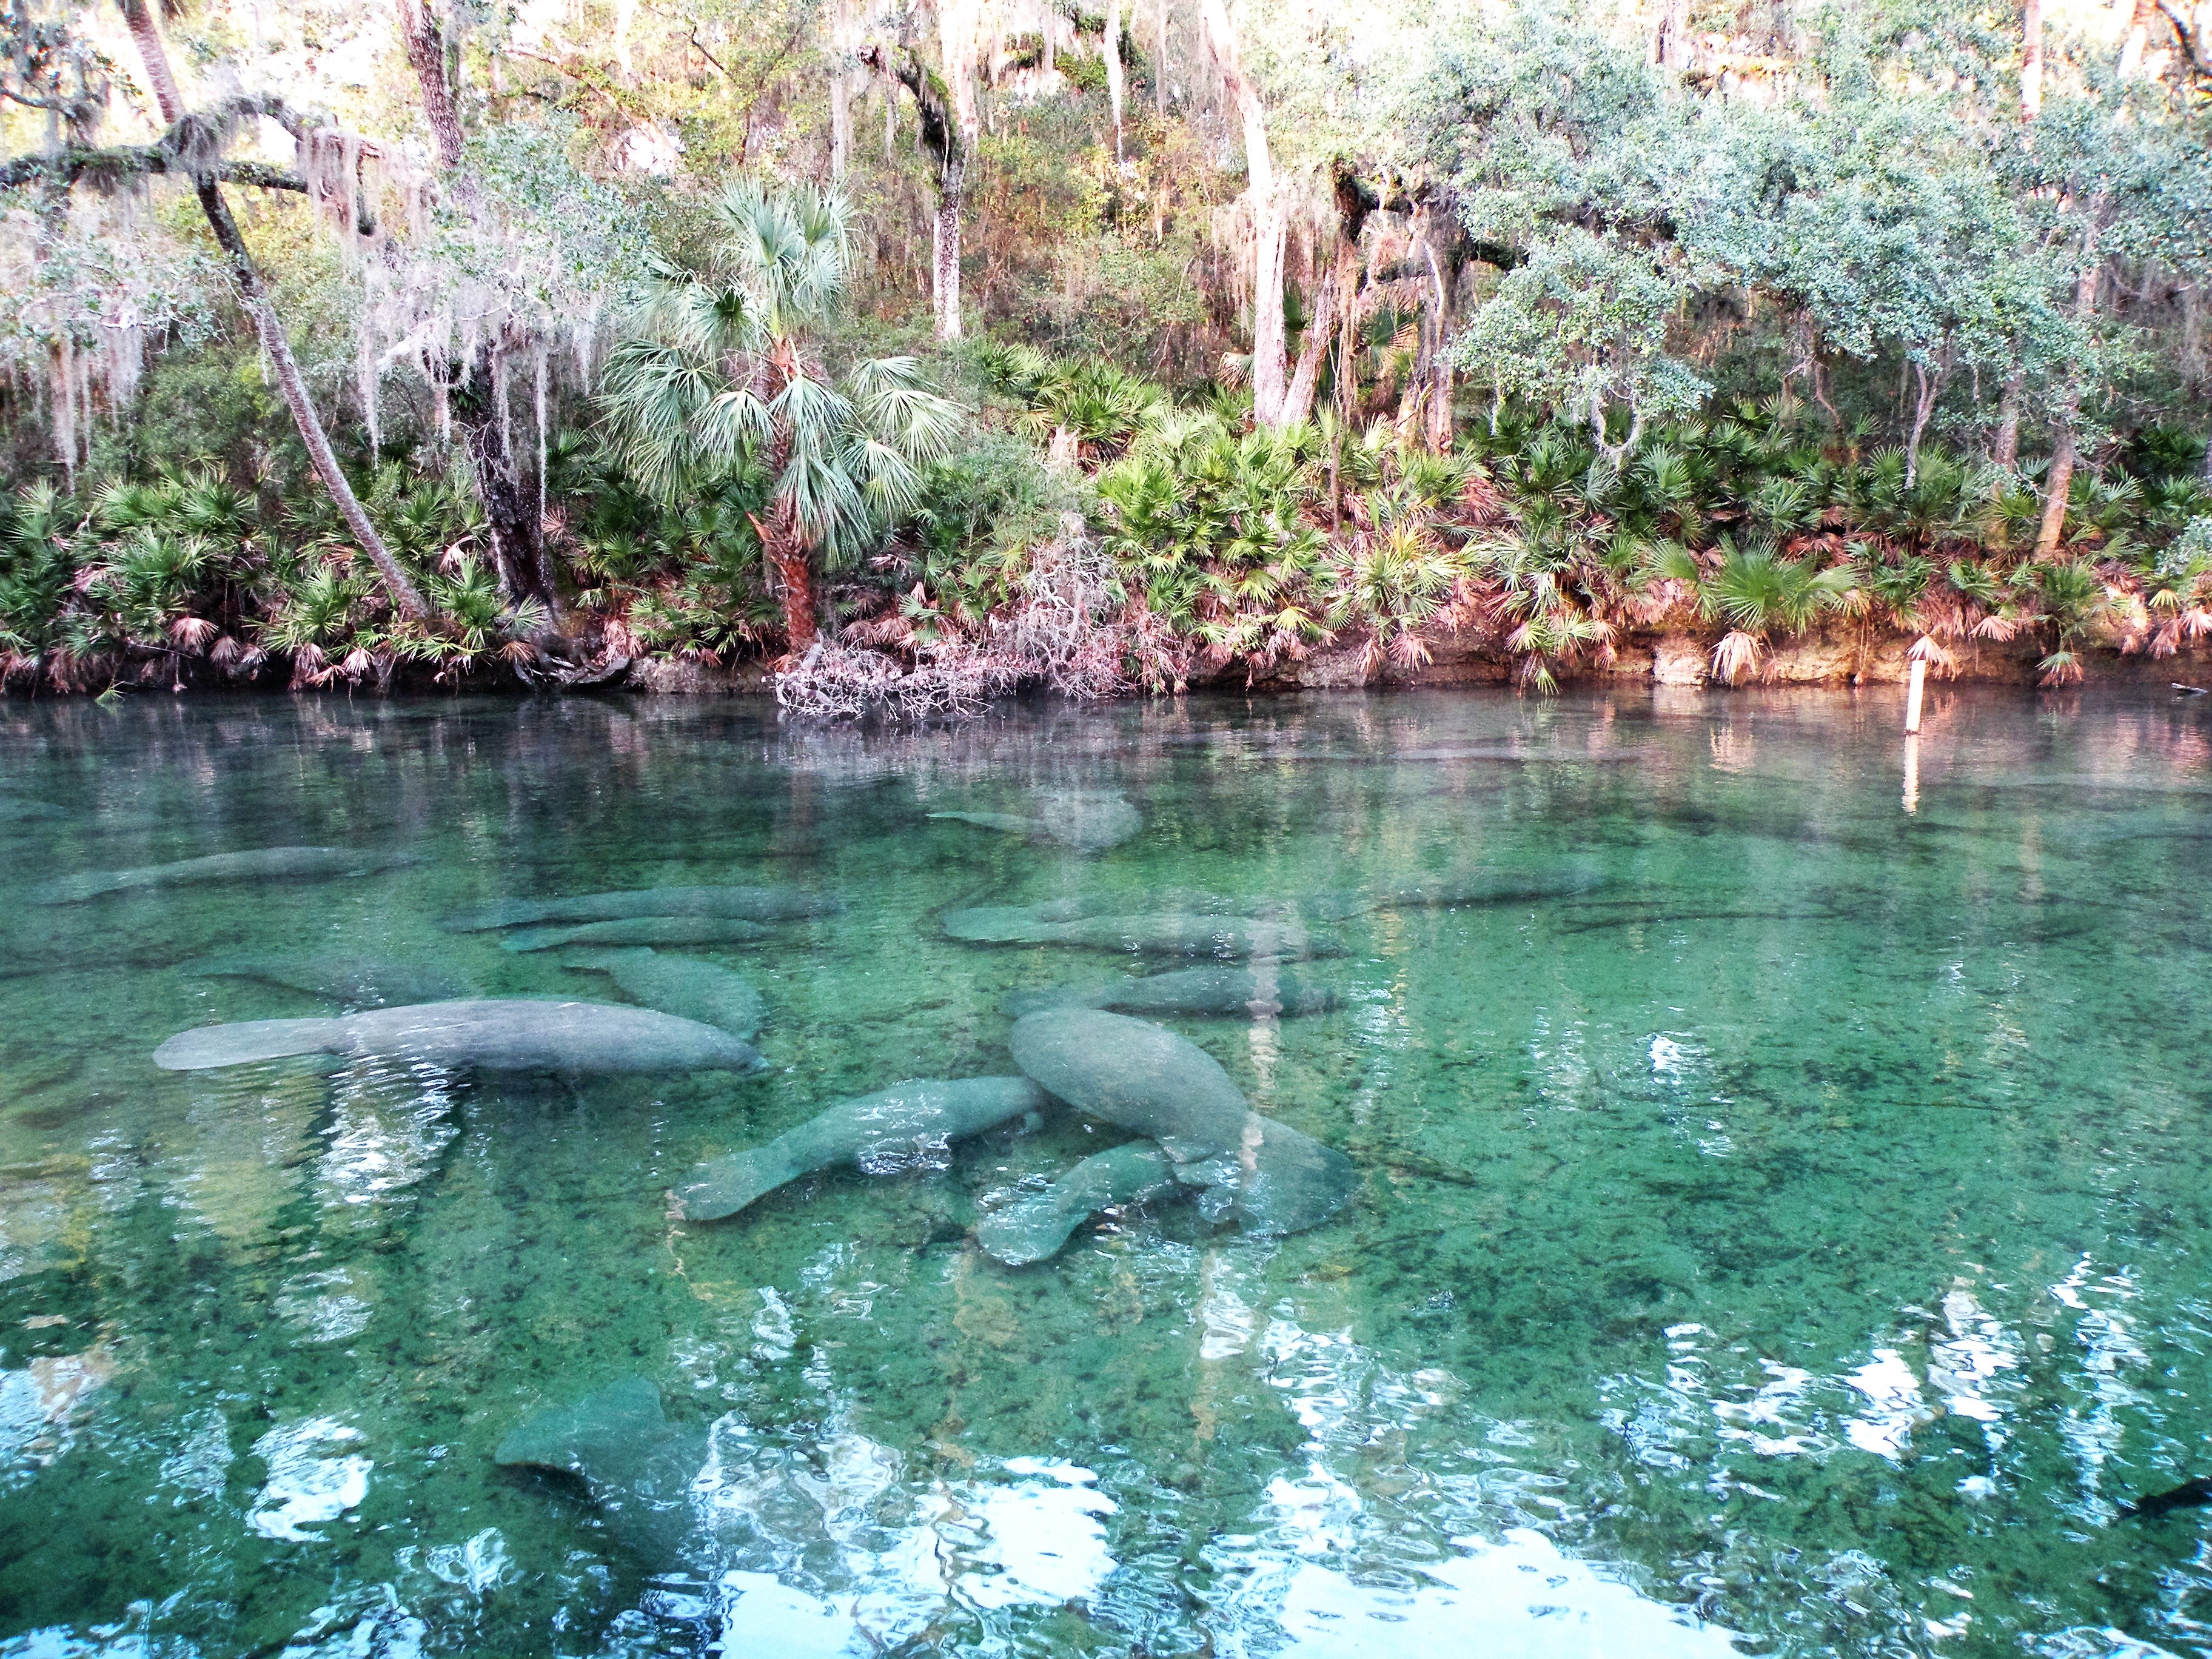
<point x="1134" y="1073"/>
<point x="637" y="1465"/>
<point x="1164" y="934"/>
<point x="1089" y="821"/>
<point x="640" y="930"/>
<point x="1037" y="1224"/>
<point x="685" y="986"/>
<point x="360" y="982"/>
<point x="877" y="1128"/>
<point x="499" y="1035"/>
<point x="263" y="863"/>
<point x="747" y="904"/>
<point x="1216" y="989"/>
<point x="1274" y="1179"/>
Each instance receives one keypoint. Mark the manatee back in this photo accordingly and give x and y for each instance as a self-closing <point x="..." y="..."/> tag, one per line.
<point x="523" y="1033"/>
<point x="1134" y="1073"/>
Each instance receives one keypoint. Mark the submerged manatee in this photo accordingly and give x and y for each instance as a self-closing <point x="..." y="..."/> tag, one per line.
<point x="685" y="986"/>
<point x="1239" y="993"/>
<point x="1273" y="1178"/>
<point x="18" y="809"/>
<point x="1089" y="821"/>
<point x="638" y="1466"/>
<point x="264" y="864"/>
<point x="1165" y="934"/>
<point x="1036" y="1224"/>
<point x="1138" y="1075"/>
<point x="921" y="1111"/>
<point x="745" y="903"/>
<point x="358" y="981"/>
<point x="641" y="930"/>
<point x="499" y="1035"/>
<point x="1453" y="892"/>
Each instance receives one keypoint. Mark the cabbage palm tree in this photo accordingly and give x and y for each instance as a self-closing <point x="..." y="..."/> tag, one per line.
<point x="723" y="380"/>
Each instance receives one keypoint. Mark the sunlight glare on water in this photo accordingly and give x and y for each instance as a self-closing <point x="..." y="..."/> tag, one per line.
<point x="1780" y="1227"/>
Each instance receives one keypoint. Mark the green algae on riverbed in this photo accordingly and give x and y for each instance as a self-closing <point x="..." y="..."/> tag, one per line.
<point x="1796" y="1221"/>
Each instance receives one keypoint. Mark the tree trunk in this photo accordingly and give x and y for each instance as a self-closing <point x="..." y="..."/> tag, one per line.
<point x="2131" y="51"/>
<point x="944" y="249"/>
<point x="2031" y="61"/>
<point x="2006" y="451"/>
<point x="405" y="597"/>
<point x="2060" y="480"/>
<point x="426" y="54"/>
<point x="1113" y="71"/>
<point x="1321" y="333"/>
<point x="1160" y="67"/>
<point x="794" y="571"/>
<point x="2056" y="487"/>
<point x="511" y="517"/>
<point x="1268" y="231"/>
<point x="472" y="393"/>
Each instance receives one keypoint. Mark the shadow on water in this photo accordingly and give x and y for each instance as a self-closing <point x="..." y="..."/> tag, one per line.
<point x="1778" y="1220"/>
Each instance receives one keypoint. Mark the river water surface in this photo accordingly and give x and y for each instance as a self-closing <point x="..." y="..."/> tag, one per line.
<point x="1789" y="1237"/>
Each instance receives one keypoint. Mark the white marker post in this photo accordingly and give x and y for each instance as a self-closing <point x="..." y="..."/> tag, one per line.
<point x="1914" y="684"/>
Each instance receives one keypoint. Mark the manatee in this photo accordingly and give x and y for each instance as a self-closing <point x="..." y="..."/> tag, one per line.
<point x="17" y="808"/>
<point x="1274" y="1178"/>
<point x="264" y="864"/>
<point x="1452" y="892"/>
<point x="1138" y="1075"/>
<point x="1089" y="821"/>
<point x="1035" y="1225"/>
<point x="870" y="1130"/>
<point x="747" y="904"/>
<point x="640" y="930"/>
<point x="638" y="1466"/>
<point x="358" y="981"/>
<point x="499" y="1035"/>
<point x="1164" y="934"/>
<point x="1240" y="992"/>
<point x="685" y="986"/>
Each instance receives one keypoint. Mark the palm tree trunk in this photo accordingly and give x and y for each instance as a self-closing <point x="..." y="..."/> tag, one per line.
<point x="788" y="557"/>
<point x="405" y="597"/>
<point x="2059" y="481"/>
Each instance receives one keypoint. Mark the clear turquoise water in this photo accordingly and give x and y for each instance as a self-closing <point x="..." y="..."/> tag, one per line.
<point x="1796" y="1245"/>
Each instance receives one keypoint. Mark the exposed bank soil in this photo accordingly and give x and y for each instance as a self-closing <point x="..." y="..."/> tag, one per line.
<point x="1839" y="656"/>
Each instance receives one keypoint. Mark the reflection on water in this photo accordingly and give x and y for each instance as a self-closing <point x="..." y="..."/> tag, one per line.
<point x="1788" y="1237"/>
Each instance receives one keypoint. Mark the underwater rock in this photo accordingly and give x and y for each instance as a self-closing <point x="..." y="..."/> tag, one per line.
<point x="497" y="1034"/>
<point x="264" y="864"/>
<point x="1036" y="1224"/>
<point x="874" y="1128"/>
<point x="638" y="1466"/>
<point x="1138" y="1075"/>
<point x="641" y="930"/>
<point x="1089" y="821"/>
<point x="1238" y="993"/>
<point x="1165" y="934"/>
<point x="683" y="986"/>
<point x="747" y="904"/>
<point x="356" y="981"/>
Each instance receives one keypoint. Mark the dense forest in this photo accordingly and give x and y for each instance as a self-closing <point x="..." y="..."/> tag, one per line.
<point x="921" y="355"/>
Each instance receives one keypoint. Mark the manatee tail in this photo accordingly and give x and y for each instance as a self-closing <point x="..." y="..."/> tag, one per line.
<point x="210" y="1046"/>
<point x="723" y="1186"/>
<point x="536" y="938"/>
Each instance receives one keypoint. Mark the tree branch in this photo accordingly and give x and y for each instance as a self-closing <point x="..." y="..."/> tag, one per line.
<point x="111" y="168"/>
